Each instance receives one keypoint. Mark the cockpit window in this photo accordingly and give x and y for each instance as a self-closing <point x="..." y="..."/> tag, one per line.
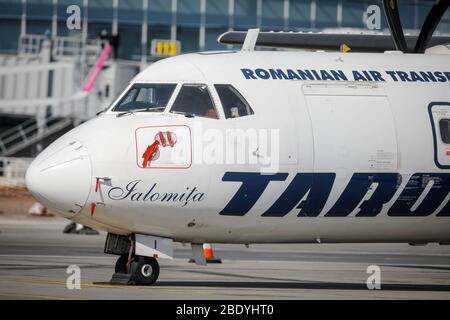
<point x="195" y="100"/>
<point x="148" y="97"/>
<point x="234" y="104"/>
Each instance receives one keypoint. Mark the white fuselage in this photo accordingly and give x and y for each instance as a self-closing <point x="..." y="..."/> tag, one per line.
<point x="355" y="161"/>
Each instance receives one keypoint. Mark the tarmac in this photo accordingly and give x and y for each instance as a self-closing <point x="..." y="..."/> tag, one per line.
<point x="35" y="255"/>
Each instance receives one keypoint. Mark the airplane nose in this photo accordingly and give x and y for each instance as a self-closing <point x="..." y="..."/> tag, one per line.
<point x="60" y="177"/>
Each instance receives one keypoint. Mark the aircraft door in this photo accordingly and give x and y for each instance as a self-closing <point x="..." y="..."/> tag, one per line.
<point x="440" y="123"/>
<point x="353" y="128"/>
<point x="355" y="144"/>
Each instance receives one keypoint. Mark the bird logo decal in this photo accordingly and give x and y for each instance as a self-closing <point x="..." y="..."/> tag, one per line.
<point x="163" y="139"/>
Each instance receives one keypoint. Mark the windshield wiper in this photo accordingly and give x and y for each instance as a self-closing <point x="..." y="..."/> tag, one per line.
<point x="186" y="114"/>
<point x="132" y="111"/>
<point x="101" y="112"/>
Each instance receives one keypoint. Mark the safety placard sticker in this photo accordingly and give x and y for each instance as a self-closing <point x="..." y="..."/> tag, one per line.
<point x="164" y="147"/>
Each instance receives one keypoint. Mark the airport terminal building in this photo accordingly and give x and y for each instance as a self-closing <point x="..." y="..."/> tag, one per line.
<point x="195" y="23"/>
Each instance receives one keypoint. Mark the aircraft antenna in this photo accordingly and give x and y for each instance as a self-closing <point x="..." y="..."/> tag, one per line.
<point x="250" y="40"/>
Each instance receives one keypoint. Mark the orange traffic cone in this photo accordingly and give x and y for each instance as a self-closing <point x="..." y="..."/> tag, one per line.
<point x="209" y="255"/>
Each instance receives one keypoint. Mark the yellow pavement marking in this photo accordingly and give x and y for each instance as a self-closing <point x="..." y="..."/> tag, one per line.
<point x="32" y="296"/>
<point x="102" y="286"/>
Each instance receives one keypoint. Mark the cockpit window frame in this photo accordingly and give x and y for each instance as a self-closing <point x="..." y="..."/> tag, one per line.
<point x="125" y="92"/>
<point x="239" y="95"/>
<point x="212" y="95"/>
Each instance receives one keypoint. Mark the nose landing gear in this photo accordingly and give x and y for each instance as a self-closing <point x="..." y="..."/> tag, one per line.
<point x="141" y="271"/>
<point x="131" y="268"/>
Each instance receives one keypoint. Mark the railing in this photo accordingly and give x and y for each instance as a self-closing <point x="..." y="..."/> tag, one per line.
<point x="72" y="47"/>
<point x="30" y="44"/>
<point x="13" y="170"/>
<point x="80" y="107"/>
<point x="67" y="105"/>
<point x="73" y="57"/>
<point x="62" y="47"/>
<point x="67" y="47"/>
<point x="29" y="132"/>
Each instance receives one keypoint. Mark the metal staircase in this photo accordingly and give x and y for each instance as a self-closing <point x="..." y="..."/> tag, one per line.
<point x="28" y="133"/>
<point x="46" y="81"/>
<point x="63" y="48"/>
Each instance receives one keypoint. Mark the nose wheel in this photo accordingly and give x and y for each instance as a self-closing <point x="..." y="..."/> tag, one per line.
<point x="142" y="271"/>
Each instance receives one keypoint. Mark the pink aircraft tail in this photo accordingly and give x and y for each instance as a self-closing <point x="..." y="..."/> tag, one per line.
<point x="93" y="75"/>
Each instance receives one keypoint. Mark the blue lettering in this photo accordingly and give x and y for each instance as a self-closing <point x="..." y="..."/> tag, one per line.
<point x="248" y="74"/>
<point x="358" y="76"/>
<point x="392" y="74"/>
<point x="339" y="75"/>
<point x="414" y="189"/>
<point x="305" y="74"/>
<point x="440" y="76"/>
<point x="367" y="75"/>
<point x="428" y="76"/>
<point x="415" y="76"/>
<point x="317" y="184"/>
<point x="262" y="74"/>
<point x="277" y="74"/>
<point x="325" y="75"/>
<point x="357" y="188"/>
<point x="447" y="74"/>
<point x="316" y="75"/>
<point x="423" y="194"/>
<point x="292" y="75"/>
<point x="376" y="75"/>
<point x="403" y="76"/>
<point x="253" y="185"/>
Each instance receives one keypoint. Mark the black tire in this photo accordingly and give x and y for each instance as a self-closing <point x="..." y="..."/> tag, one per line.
<point x="144" y="271"/>
<point x="121" y="264"/>
<point x="70" y="228"/>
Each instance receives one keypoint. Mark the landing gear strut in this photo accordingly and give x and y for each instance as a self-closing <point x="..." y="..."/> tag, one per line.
<point x="130" y="269"/>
